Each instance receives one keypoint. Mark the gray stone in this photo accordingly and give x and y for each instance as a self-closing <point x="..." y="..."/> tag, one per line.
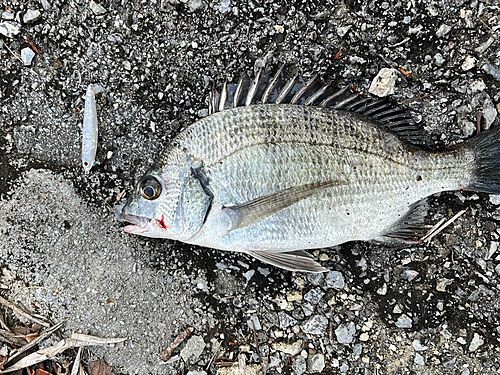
<point x="316" y="363"/>
<point x="404" y="321"/>
<point x="27" y="56"/>
<point x="9" y="28"/>
<point x="443" y="30"/>
<point x="254" y="322"/>
<point x="385" y="81"/>
<point x="345" y="333"/>
<point x="196" y="373"/>
<point x="288" y="348"/>
<point x="418" y="346"/>
<point x="344" y="367"/>
<point x="335" y="280"/>
<point x="358" y="349"/>
<point x="97" y="9"/>
<point x="193" y="349"/>
<point x="419" y="360"/>
<point x="8" y="15"/>
<point x="286" y="320"/>
<point x="31" y="16"/>
<point x="194" y="5"/>
<point x="495" y="199"/>
<point x="299" y="365"/>
<point x="476" y="342"/>
<point x="489" y="114"/>
<point x="438" y="58"/>
<point x="316" y="325"/>
<point x="314" y="296"/>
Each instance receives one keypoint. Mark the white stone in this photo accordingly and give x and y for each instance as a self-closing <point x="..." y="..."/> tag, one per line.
<point x="31" y="15"/>
<point x="443" y="30"/>
<point x="316" y="363"/>
<point x="9" y="29"/>
<point x="477" y="86"/>
<point x="291" y="349"/>
<point x="193" y="349"/>
<point x="404" y="321"/>
<point x="383" y="84"/>
<point x="419" y="360"/>
<point x="97" y="8"/>
<point x="27" y="55"/>
<point x="468" y="63"/>
<point x="476" y="342"/>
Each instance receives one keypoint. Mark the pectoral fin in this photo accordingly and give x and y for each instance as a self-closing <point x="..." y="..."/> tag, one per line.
<point x="249" y="213"/>
<point x="298" y="260"/>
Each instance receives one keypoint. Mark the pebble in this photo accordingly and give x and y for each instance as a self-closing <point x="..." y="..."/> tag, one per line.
<point x="196" y="373"/>
<point x="291" y="349"/>
<point x="193" y="349"/>
<point x="294" y="296"/>
<point x="358" y="349"/>
<point x="97" y="8"/>
<point x="489" y="113"/>
<point x="335" y="280"/>
<point x="439" y="59"/>
<point x="419" y="360"/>
<point x="224" y="6"/>
<point x="409" y="275"/>
<point x="341" y="31"/>
<point x="299" y="365"/>
<point x="443" y="30"/>
<point x="382" y="290"/>
<point x="469" y="63"/>
<point x="442" y="284"/>
<point x="383" y="84"/>
<point x="31" y="15"/>
<point x="254" y="322"/>
<point x="364" y="337"/>
<point x="404" y="321"/>
<point x="194" y="5"/>
<point x="27" y="55"/>
<point x="477" y="86"/>
<point x="316" y="363"/>
<point x="314" y="296"/>
<point x="316" y="325"/>
<point x="495" y="199"/>
<point x="492" y="70"/>
<point x="286" y="320"/>
<point x="483" y="47"/>
<point x="45" y="4"/>
<point x="8" y="15"/>
<point x="345" y="333"/>
<point x="127" y="65"/>
<point x="344" y="367"/>
<point x="476" y="342"/>
<point x="418" y="346"/>
<point x="9" y="29"/>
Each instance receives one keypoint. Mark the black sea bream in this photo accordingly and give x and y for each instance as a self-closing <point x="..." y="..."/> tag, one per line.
<point x="281" y="166"/>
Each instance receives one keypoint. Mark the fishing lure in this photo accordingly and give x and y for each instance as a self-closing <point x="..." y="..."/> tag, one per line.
<point x="89" y="141"/>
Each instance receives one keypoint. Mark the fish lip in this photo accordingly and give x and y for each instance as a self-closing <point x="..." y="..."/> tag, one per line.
<point x="136" y="221"/>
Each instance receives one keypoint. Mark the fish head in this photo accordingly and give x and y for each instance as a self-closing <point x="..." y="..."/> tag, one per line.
<point x="170" y="204"/>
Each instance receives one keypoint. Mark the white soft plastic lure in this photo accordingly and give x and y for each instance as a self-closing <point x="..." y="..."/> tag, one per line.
<point x="89" y="142"/>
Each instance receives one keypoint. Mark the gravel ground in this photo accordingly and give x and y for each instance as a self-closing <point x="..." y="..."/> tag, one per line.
<point x="427" y="309"/>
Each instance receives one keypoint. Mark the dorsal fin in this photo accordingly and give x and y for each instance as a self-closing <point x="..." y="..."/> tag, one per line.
<point x="284" y="88"/>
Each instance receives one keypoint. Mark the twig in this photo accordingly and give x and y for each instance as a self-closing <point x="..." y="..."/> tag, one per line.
<point x="40" y="338"/>
<point x="11" y="338"/>
<point x="16" y="309"/>
<point x="3" y="324"/>
<point x="216" y="352"/>
<point x="256" y="342"/>
<point x="455" y="217"/>
<point x="433" y="229"/>
<point x="13" y="54"/>
<point x="168" y="352"/>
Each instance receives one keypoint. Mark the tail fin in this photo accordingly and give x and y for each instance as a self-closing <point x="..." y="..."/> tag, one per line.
<point x="486" y="147"/>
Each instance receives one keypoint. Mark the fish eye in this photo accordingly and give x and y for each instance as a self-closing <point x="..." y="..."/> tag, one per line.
<point x="150" y="188"/>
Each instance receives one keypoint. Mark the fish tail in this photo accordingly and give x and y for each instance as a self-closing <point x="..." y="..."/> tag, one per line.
<point x="486" y="175"/>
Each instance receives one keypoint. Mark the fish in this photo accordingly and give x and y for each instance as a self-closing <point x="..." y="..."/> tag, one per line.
<point x="90" y="130"/>
<point x="282" y="165"/>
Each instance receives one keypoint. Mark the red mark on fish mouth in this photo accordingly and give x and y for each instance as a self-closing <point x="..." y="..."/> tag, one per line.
<point x="161" y="223"/>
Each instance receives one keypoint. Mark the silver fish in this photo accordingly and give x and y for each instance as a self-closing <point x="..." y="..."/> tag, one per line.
<point x="272" y="180"/>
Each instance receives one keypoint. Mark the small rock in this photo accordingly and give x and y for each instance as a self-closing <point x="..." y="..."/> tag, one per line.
<point x="335" y="280"/>
<point x="483" y="47"/>
<point x="8" y="15"/>
<point x="196" y="373"/>
<point x="495" y="199"/>
<point x="194" y="5"/>
<point x="345" y="333"/>
<point x="193" y="349"/>
<point x="97" y="9"/>
<point x="299" y="365"/>
<point x="286" y="320"/>
<point x="294" y="296"/>
<point x="409" y="275"/>
<point x="316" y="325"/>
<point x="291" y="349"/>
<point x="127" y="65"/>
<point x="316" y="363"/>
<point x="404" y="321"/>
<point x="31" y="15"/>
<point x="224" y="6"/>
<point x="9" y="29"/>
<point x="314" y="296"/>
<point x="476" y="342"/>
<point x="383" y="84"/>
<point x="341" y="31"/>
<point x="489" y="115"/>
<point x="27" y="55"/>
<point x="45" y="4"/>
<point x="254" y="322"/>
<point x="344" y="367"/>
<point x="477" y="86"/>
<point x="364" y="337"/>
<point x="443" y="30"/>
<point x="439" y="59"/>
<point x="442" y="284"/>
<point x="468" y="63"/>
<point x="492" y="70"/>
<point x="382" y="290"/>
<point x="418" y="346"/>
<point x="419" y="360"/>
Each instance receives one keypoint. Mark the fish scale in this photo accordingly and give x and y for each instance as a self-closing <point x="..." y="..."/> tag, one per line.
<point x="272" y="180"/>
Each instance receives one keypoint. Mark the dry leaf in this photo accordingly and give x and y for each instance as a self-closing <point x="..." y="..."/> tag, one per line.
<point x="39" y="371"/>
<point x="100" y="367"/>
<point x="32" y="336"/>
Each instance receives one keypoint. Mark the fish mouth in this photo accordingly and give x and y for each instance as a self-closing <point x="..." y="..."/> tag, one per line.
<point x="138" y="223"/>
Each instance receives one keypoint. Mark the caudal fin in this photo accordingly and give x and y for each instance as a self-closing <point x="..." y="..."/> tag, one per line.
<point x="486" y="177"/>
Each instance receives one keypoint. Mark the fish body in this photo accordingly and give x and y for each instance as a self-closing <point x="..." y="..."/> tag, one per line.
<point x="272" y="180"/>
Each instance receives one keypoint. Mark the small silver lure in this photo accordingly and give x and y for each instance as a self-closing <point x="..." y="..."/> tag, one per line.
<point x="89" y="141"/>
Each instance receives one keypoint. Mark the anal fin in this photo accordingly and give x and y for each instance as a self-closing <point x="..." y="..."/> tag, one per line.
<point x="411" y="227"/>
<point x="298" y="260"/>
